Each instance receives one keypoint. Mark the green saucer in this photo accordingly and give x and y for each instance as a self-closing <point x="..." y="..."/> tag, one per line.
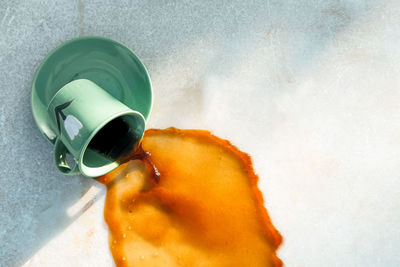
<point x="107" y="63"/>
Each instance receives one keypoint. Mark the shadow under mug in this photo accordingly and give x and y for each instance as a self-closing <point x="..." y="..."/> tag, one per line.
<point x="92" y="126"/>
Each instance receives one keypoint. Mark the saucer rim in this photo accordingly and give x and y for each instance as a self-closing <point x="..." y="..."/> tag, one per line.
<point x="34" y="107"/>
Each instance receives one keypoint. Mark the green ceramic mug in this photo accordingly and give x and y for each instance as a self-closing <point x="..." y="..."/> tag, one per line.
<point x="92" y="126"/>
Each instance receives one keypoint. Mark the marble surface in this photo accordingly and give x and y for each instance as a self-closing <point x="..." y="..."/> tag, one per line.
<point x="310" y="89"/>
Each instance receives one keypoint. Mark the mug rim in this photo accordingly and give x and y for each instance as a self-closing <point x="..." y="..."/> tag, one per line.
<point x="109" y="167"/>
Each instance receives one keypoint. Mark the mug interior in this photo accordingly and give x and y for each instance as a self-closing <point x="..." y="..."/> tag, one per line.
<point x="111" y="143"/>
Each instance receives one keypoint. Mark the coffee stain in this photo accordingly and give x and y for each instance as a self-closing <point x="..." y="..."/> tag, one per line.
<point x="341" y="14"/>
<point x="81" y="12"/>
<point x="188" y="198"/>
<point x="270" y="30"/>
<point x="357" y="57"/>
<point x="90" y="233"/>
<point x="45" y="208"/>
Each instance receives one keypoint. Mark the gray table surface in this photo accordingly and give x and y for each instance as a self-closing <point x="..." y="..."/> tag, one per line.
<point x="310" y="89"/>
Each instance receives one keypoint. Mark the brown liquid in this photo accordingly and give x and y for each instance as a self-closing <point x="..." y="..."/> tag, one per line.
<point x="188" y="198"/>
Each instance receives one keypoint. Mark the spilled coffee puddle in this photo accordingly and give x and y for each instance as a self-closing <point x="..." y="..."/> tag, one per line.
<point x="188" y="198"/>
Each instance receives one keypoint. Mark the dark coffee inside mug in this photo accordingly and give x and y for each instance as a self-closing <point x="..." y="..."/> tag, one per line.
<point x="114" y="142"/>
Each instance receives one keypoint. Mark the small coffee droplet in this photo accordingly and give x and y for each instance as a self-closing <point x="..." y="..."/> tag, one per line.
<point x="123" y="258"/>
<point x="142" y="257"/>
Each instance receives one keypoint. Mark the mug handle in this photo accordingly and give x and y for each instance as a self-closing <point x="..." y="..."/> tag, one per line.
<point x="60" y="159"/>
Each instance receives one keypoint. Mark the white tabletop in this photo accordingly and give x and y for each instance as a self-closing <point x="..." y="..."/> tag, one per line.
<point x="310" y="89"/>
